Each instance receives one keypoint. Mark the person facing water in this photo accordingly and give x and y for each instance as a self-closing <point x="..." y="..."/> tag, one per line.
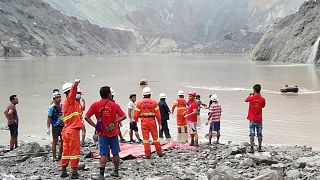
<point x="200" y="105"/>
<point x="256" y="103"/>
<point x="133" y="125"/>
<point x="181" y="105"/>
<point x="148" y="111"/>
<point x="214" y="117"/>
<point x="55" y="120"/>
<point x="108" y="115"/>
<point x="164" y="111"/>
<point x="11" y="115"/>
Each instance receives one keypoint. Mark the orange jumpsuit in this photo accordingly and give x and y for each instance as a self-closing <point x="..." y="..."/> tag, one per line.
<point x="71" y="130"/>
<point x="147" y="110"/>
<point x="181" y="105"/>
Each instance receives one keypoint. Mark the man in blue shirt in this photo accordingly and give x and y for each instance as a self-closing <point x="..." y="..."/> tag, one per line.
<point x="54" y="119"/>
<point x="164" y="111"/>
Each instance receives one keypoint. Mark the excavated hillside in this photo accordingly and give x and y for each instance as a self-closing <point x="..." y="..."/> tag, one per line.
<point x="185" y="26"/>
<point x="34" y="28"/>
<point x="293" y="39"/>
<point x="78" y="27"/>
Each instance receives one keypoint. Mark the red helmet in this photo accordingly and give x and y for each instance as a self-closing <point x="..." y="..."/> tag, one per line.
<point x="192" y="93"/>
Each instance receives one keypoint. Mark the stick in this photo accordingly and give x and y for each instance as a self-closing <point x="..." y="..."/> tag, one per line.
<point x="125" y="133"/>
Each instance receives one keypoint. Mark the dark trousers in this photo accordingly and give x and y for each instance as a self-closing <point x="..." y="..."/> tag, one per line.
<point x="165" y="130"/>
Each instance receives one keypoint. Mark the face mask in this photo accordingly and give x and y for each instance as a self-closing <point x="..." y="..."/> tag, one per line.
<point x="78" y="96"/>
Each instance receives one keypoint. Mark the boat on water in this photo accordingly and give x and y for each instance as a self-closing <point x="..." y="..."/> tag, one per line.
<point x="287" y="89"/>
<point x="143" y="82"/>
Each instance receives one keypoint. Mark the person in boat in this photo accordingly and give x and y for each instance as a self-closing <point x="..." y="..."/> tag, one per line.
<point x="286" y="88"/>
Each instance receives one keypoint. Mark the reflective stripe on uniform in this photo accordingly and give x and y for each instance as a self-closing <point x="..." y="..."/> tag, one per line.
<point x="181" y="108"/>
<point x="148" y="114"/>
<point x="70" y="116"/>
<point x="157" y="140"/>
<point x="157" y="108"/>
<point x="70" y="157"/>
<point x="137" y="109"/>
<point x="146" y="141"/>
<point x="182" y="126"/>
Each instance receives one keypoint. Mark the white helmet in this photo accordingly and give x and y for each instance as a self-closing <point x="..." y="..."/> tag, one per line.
<point x="214" y="97"/>
<point x="162" y="96"/>
<point x="146" y="91"/>
<point x="180" y="93"/>
<point x="112" y="92"/>
<point x="66" y="87"/>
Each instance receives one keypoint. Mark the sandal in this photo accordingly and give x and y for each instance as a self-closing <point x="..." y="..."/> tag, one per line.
<point x="251" y="150"/>
<point x="114" y="174"/>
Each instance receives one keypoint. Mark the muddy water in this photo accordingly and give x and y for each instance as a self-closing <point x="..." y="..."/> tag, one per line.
<point x="288" y="119"/>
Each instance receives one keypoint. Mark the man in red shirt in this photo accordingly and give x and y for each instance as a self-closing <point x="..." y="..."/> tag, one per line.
<point x="256" y="103"/>
<point x="108" y="115"/>
<point x="192" y="117"/>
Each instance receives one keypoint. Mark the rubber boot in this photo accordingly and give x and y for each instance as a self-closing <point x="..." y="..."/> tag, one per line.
<point x="64" y="173"/>
<point x="192" y="142"/>
<point x="196" y="143"/>
<point x="75" y="174"/>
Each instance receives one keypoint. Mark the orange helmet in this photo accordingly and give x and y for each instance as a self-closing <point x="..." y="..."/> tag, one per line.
<point x="192" y="93"/>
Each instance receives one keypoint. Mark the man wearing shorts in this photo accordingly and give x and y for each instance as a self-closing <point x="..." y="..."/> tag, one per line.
<point x="13" y="121"/>
<point x="55" y="120"/>
<point x="214" y="117"/>
<point x="191" y="116"/>
<point x="133" y="125"/>
<point x="110" y="114"/>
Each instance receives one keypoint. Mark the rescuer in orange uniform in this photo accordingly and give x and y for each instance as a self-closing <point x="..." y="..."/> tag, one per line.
<point x="147" y="110"/>
<point x="71" y="130"/>
<point x="181" y="106"/>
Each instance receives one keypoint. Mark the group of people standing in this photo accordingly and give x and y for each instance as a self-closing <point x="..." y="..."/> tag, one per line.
<point x="67" y="120"/>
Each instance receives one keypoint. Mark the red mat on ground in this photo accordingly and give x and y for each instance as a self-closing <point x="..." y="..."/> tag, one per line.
<point x="129" y="151"/>
<point x="137" y="150"/>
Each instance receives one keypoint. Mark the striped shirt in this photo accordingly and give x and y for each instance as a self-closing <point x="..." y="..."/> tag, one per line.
<point x="215" y="110"/>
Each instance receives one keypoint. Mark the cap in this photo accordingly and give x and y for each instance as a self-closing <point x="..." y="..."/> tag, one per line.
<point x="192" y="93"/>
<point x="214" y="97"/>
<point x="55" y="95"/>
<point x="162" y="96"/>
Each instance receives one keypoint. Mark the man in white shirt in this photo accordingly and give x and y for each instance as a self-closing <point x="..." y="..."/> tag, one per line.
<point x="133" y="125"/>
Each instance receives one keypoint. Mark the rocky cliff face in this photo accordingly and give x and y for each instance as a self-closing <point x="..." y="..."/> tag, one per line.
<point x="294" y="38"/>
<point x="188" y="26"/>
<point x="34" y="28"/>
